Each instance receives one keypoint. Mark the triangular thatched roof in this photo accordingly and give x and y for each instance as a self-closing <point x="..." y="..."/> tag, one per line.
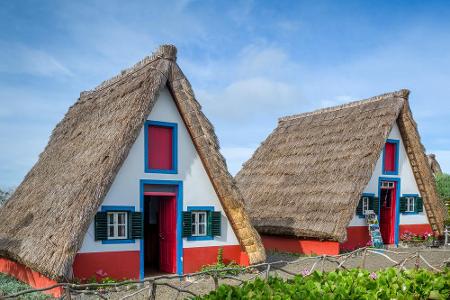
<point x="43" y="224"/>
<point x="306" y="178"/>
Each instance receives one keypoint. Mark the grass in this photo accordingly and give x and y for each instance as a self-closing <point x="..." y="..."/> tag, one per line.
<point x="10" y="285"/>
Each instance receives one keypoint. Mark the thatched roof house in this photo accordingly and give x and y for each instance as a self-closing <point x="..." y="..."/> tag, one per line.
<point x="307" y="177"/>
<point x="43" y="224"/>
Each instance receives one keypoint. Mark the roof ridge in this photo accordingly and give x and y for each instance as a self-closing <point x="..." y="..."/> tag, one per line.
<point x="162" y="52"/>
<point x="403" y="93"/>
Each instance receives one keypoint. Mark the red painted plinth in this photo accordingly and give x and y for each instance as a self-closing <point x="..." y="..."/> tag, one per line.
<point x="117" y="265"/>
<point x="302" y="246"/>
<point x="30" y="277"/>
<point x="357" y="237"/>
<point x="195" y="258"/>
<point x="415" y="228"/>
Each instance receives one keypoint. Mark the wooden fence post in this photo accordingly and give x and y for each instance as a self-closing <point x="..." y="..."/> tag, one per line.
<point x="417" y="260"/>
<point x="363" y="263"/>
<point x="267" y="272"/>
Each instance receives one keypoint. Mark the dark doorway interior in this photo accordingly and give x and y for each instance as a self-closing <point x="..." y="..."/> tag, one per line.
<point x="151" y="235"/>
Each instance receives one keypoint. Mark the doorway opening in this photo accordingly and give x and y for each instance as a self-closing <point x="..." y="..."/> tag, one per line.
<point x="160" y="218"/>
<point x="388" y="196"/>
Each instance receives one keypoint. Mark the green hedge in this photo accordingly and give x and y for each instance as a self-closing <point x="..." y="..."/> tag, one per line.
<point x="353" y="284"/>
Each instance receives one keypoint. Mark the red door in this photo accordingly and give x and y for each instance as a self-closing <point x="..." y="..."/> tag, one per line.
<point x="167" y="234"/>
<point x="387" y="212"/>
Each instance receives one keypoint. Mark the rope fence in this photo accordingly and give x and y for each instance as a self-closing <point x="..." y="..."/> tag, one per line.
<point x="149" y="286"/>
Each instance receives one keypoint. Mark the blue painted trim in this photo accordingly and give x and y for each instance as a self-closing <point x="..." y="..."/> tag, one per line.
<point x="410" y="212"/>
<point x="174" y="127"/>
<point x="106" y="208"/>
<point x="200" y="208"/>
<point x="207" y="208"/>
<point x="368" y="195"/>
<point x="179" y="202"/>
<point x="397" y="204"/>
<point x="396" y="158"/>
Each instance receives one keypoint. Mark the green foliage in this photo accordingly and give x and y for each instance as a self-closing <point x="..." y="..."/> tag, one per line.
<point x="9" y="285"/>
<point x="351" y="284"/>
<point x="220" y="265"/>
<point x="443" y="185"/>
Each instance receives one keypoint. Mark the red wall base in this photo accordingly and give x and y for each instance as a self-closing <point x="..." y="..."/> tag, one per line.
<point x="358" y="236"/>
<point x="117" y="265"/>
<point x="30" y="277"/>
<point x="296" y="245"/>
<point x="415" y="228"/>
<point x="195" y="258"/>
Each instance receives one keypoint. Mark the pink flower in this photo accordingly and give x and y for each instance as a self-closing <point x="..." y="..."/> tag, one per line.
<point x="373" y="275"/>
<point x="101" y="273"/>
<point x="305" y="272"/>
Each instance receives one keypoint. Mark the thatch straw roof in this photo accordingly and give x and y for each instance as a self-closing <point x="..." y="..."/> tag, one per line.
<point x="434" y="164"/>
<point x="306" y="178"/>
<point x="43" y="224"/>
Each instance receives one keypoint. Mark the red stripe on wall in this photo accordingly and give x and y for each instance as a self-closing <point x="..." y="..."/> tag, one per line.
<point x="415" y="228"/>
<point x="357" y="237"/>
<point x="302" y="246"/>
<point x="195" y="258"/>
<point x="117" y="265"/>
<point x="30" y="277"/>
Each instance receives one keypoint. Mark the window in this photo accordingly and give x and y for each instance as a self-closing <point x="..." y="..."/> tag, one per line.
<point x="365" y="203"/>
<point x="199" y="223"/>
<point x="160" y="147"/>
<point x="410" y="204"/>
<point x="117" y="225"/>
<point x="390" y="157"/>
<point x="387" y="185"/>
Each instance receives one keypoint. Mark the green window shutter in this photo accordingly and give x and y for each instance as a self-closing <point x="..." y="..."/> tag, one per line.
<point x="101" y="226"/>
<point x="419" y="205"/>
<point x="209" y="224"/>
<point x="136" y="228"/>
<point x="375" y="204"/>
<point x="187" y="224"/>
<point x="359" y="208"/>
<point x="402" y="204"/>
<point x="216" y="223"/>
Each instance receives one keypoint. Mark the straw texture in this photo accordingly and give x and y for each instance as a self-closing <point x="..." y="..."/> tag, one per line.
<point x="434" y="164"/>
<point x="306" y="178"/>
<point x="43" y="224"/>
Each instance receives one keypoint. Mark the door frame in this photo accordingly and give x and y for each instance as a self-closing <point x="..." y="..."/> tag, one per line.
<point x="179" y="207"/>
<point x="397" y="180"/>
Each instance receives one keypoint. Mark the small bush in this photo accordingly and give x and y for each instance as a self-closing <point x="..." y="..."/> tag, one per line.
<point x="9" y="285"/>
<point x="351" y="284"/>
<point x="220" y="265"/>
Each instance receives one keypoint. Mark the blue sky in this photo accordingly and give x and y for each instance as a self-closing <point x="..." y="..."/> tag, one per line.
<point x="249" y="62"/>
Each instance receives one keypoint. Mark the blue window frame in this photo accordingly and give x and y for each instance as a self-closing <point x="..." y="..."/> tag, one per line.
<point x="174" y="126"/>
<point x="117" y="208"/>
<point x="410" y="207"/>
<point x="396" y="157"/>
<point x="201" y="209"/>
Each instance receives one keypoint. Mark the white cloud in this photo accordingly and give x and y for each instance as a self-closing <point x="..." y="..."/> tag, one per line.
<point x="20" y="59"/>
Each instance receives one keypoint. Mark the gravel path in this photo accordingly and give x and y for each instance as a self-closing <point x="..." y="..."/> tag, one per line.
<point x="205" y="284"/>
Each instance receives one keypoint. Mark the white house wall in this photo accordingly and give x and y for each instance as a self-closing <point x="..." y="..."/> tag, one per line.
<point x="408" y="183"/>
<point x="197" y="188"/>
